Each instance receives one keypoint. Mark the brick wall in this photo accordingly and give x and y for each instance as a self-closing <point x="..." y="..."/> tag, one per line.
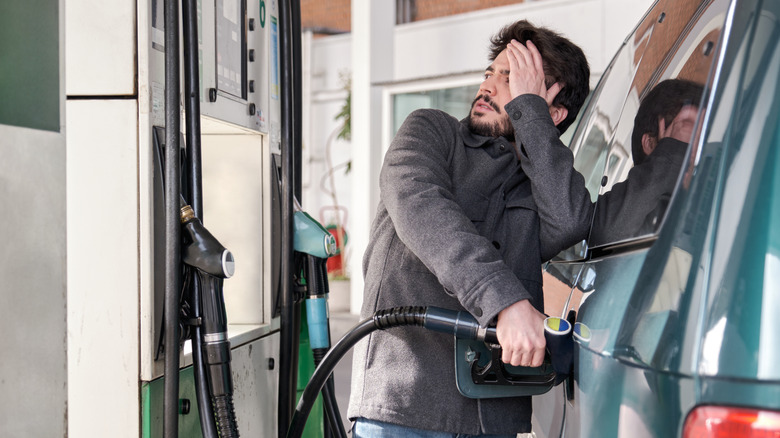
<point x="335" y="14"/>
<point x="326" y="14"/>
<point x="427" y="9"/>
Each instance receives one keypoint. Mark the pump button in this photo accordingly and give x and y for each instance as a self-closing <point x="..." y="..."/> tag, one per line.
<point x="228" y="264"/>
<point x="184" y="406"/>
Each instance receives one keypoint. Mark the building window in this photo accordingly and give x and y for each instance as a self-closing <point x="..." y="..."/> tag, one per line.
<point x="455" y="101"/>
<point x="405" y="11"/>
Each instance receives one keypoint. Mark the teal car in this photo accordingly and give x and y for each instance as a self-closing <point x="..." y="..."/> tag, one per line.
<point x="674" y="319"/>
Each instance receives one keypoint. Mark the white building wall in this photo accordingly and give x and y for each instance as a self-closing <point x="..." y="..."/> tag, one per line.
<point x="427" y="55"/>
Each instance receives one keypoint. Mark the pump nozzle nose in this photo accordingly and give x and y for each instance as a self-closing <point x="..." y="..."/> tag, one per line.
<point x="204" y="251"/>
<point x="228" y="264"/>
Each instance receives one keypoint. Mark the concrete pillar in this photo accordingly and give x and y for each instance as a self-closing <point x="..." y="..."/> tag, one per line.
<point x="373" y="24"/>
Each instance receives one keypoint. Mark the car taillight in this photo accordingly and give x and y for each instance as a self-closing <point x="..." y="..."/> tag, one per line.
<point x="722" y="422"/>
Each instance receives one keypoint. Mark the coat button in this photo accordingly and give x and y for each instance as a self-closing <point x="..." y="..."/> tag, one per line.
<point x="477" y="312"/>
<point x="516" y="115"/>
<point x="502" y="148"/>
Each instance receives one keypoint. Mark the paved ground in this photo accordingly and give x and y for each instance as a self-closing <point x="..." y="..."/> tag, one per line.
<point x="340" y="324"/>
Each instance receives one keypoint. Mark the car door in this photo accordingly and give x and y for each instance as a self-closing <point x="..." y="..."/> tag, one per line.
<point x="625" y="283"/>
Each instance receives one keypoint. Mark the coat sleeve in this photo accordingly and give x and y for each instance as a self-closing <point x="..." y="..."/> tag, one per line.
<point x="632" y="207"/>
<point x="417" y="190"/>
<point x="563" y="201"/>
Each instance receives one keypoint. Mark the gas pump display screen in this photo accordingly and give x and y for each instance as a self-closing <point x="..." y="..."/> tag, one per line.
<point x="231" y="47"/>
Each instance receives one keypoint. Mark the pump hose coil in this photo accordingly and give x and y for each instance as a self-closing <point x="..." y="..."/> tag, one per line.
<point x="399" y="316"/>
<point x="225" y="416"/>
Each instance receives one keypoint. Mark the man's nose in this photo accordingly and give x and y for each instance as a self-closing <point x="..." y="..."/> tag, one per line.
<point x="488" y="87"/>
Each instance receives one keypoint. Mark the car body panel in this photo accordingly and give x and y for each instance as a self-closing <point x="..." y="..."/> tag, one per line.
<point x="684" y="315"/>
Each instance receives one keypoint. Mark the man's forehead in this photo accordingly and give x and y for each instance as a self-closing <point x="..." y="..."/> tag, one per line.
<point x="500" y="64"/>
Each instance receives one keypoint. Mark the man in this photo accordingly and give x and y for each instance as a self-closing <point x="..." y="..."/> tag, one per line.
<point x="457" y="227"/>
<point x="663" y="126"/>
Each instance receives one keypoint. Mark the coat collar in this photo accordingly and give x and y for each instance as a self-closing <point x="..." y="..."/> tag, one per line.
<point x="495" y="147"/>
<point x="469" y="138"/>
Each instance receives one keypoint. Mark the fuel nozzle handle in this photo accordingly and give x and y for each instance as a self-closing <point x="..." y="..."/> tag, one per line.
<point x="203" y="250"/>
<point x="459" y="323"/>
<point x="557" y="334"/>
<point x="216" y="353"/>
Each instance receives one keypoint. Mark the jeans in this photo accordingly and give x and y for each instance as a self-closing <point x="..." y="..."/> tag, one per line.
<point x="376" y="429"/>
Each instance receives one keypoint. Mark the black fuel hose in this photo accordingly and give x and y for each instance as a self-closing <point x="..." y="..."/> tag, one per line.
<point x="172" y="226"/>
<point x="207" y="422"/>
<point x="460" y="324"/>
<point x="195" y="191"/>
<point x="288" y="310"/>
<point x="331" y="407"/>
<point x="321" y="374"/>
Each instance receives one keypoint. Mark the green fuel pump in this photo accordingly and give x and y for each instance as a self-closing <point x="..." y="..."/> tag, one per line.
<point x="313" y="245"/>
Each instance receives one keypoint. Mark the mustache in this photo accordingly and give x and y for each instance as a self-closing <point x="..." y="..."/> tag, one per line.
<point x="488" y="101"/>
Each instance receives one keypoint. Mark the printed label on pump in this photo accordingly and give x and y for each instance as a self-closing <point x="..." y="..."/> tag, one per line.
<point x="274" y="59"/>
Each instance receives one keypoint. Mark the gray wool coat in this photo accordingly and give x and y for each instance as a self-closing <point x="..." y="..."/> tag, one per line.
<point x="458" y="226"/>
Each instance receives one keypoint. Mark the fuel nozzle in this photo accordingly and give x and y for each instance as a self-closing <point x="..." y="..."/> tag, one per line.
<point x="310" y="237"/>
<point x="213" y="263"/>
<point x="203" y="250"/>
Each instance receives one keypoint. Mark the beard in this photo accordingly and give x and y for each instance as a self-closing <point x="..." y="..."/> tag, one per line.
<point x="499" y="128"/>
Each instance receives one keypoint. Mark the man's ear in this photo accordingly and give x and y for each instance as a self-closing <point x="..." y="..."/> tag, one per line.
<point x="648" y="143"/>
<point x="558" y="113"/>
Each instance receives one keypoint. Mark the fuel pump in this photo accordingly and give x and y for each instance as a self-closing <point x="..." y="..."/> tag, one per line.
<point x="313" y="245"/>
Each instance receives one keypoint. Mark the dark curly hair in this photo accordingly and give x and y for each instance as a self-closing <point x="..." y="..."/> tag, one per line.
<point x="563" y="62"/>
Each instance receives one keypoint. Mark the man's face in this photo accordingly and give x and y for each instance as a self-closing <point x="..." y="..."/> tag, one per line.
<point x="487" y="116"/>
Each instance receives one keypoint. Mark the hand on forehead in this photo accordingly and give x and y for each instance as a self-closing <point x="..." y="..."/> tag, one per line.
<point x="526" y="71"/>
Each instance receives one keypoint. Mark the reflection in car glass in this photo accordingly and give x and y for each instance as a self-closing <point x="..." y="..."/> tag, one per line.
<point x="663" y="127"/>
<point x="638" y="150"/>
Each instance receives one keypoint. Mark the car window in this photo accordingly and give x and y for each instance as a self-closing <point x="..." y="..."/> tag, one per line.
<point x="630" y="166"/>
<point x="631" y="197"/>
<point x="652" y="311"/>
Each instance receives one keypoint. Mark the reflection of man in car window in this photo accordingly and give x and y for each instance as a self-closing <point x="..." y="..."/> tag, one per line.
<point x="662" y="128"/>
